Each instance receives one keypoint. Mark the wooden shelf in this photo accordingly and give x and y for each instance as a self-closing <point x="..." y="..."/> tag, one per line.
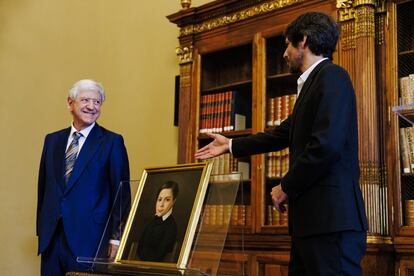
<point x="235" y="133"/>
<point x="282" y="76"/>
<point x="228" y="86"/>
<point x="406" y="112"/>
<point x="406" y="53"/>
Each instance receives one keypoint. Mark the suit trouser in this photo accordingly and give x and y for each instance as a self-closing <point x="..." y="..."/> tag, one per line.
<point x="338" y="253"/>
<point x="58" y="258"/>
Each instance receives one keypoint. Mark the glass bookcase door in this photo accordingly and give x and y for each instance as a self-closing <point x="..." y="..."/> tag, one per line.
<point x="225" y="107"/>
<point x="280" y="99"/>
<point x="405" y="54"/>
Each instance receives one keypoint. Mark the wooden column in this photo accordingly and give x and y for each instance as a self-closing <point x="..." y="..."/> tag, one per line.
<point x="357" y="55"/>
<point x="186" y="118"/>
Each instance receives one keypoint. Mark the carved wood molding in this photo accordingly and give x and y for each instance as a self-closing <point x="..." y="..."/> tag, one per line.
<point x="243" y="14"/>
<point x="373" y="182"/>
<point x="348" y="35"/>
<point x="372" y="173"/>
<point x="184" y="54"/>
<point x="185" y="75"/>
<point x="361" y="18"/>
<point x="364" y="21"/>
<point x="346" y="8"/>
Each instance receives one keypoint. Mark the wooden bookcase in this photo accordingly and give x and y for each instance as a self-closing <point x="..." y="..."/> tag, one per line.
<point x="401" y="51"/>
<point x="238" y="45"/>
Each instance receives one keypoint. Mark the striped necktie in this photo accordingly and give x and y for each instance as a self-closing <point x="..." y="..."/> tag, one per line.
<point x="71" y="155"/>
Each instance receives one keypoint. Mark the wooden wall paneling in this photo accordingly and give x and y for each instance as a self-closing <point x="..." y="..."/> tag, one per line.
<point x="271" y="264"/>
<point x="231" y="263"/>
<point x="378" y="260"/>
<point x="405" y="267"/>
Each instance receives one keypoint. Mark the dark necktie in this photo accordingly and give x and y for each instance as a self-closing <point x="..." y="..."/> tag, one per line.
<point x="71" y="155"/>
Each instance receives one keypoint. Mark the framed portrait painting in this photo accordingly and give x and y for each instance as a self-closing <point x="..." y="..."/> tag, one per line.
<point x="164" y="215"/>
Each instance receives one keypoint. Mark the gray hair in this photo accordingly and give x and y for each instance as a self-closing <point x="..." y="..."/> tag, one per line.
<point x="86" y="85"/>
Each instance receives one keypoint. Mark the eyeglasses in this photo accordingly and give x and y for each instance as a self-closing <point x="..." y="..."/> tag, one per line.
<point x="86" y="101"/>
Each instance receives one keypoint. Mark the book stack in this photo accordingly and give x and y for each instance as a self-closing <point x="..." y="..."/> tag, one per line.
<point x="407" y="134"/>
<point x="277" y="163"/>
<point x="224" y="214"/>
<point x="223" y="167"/>
<point x="407" y="90"/>
<point x="409" y="212"/>
<point x="407" y="149"/>
<point x="279" y="108"/>
<point x="274" y="217"/>
<point x="221" y="112"/>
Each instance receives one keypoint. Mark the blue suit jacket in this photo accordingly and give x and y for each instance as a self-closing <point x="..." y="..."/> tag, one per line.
<point x="85" y="202"/>
<point x="322" y="136"/>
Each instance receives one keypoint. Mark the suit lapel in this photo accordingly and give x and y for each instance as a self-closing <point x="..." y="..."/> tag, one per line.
<point x="304" y="91"/>
<point x="60" y="157"/>
<point x="92" y="143"/>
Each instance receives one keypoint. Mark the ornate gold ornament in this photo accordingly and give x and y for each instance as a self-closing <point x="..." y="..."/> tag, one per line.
<point x="185" y="54"/>
<point x="380" y="6"/>
<point x="364" y="2"/>
<point x="346" y="10"/>
<point x="237" y="16"/>
<point x="379" y="28"/>
<point x="348" y="35"/>
<point x="185" y="4"/>
<point x="365" y="21"/>
<point x="373" y="185"/>
<point x="343" y="4"/>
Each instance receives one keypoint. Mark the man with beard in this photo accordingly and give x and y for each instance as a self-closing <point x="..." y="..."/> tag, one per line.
<point x="327" y="220"/>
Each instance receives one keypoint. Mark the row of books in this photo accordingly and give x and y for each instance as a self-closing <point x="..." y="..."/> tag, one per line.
<point x="409" y="212"/>
<point x="277" y="163"/>
<point x="274" y="217"/>
<point x="225" y="164"/>
<point x="279" y="108"/>
<point x="407" y="149"/>
<point x="227" y="215"/>
<point x="407" y="89"/>
<point x="220" y="112"/>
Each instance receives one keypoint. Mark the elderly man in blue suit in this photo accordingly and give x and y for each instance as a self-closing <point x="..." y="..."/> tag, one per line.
<point x="80" y="174"/>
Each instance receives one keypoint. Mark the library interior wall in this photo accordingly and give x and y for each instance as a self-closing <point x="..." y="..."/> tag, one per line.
<point x="47" y="45"/>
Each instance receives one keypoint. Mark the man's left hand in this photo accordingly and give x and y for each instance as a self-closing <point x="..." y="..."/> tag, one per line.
<point x="112" y="249"/>
<point x="278" y="197"/>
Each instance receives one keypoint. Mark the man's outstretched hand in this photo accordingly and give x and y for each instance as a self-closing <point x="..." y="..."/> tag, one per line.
<point x="218" y="146"/>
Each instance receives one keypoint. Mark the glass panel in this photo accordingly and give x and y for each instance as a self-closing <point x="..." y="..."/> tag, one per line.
<point x="222" y="193"/>
<point x="280" y="99"/>
<point x="405" y="41"/>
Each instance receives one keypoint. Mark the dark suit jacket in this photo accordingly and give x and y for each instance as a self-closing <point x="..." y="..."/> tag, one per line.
<point x="322" y="136"/>
<point x="157" y="239"/>
<point x="84" y="203"/>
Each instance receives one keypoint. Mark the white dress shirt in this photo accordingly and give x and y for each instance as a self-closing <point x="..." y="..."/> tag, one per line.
<point x="85" y="132"/>
<point x="301" y="81"/>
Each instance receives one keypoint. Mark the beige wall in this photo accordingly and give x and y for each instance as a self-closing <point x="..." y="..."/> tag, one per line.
<point x="46" y="45"/>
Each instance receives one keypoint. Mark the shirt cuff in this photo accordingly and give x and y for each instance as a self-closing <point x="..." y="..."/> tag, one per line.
<point x="114" y="242"/>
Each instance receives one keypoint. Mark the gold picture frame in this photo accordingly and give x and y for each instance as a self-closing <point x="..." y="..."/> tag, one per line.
<point x="148" y="238"/>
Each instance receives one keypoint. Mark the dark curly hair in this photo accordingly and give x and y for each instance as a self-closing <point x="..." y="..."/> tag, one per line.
<point x="321" y="30"/>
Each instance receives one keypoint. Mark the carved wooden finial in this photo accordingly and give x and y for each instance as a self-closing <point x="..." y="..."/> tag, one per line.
<point x="185" y="4"/>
